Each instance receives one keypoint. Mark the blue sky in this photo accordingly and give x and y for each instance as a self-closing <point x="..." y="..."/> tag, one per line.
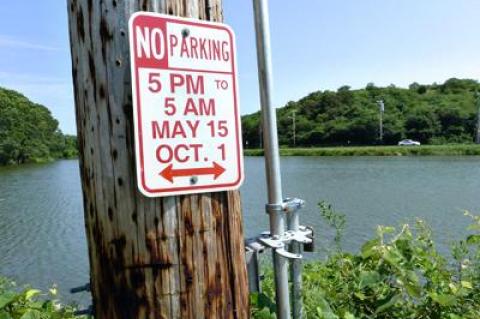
<point x="317" y="45"/>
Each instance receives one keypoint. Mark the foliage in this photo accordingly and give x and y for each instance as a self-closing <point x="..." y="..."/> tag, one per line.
<point x="335" y="220"/>
<point x="29" y="133"/>
<point x="434" y="113"/>
<point x="31" y="303"/>
<point x="454" y="149"/>
<point x="397" y="274"/>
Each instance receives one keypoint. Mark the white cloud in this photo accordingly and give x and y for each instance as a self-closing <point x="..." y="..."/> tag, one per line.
<point x="9" y="42"/>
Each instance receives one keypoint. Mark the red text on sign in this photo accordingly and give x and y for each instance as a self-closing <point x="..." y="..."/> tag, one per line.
<point x="181" y="153"/>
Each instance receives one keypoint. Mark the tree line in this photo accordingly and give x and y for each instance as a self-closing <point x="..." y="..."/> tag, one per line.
<point x="431" y="114"/>
<point x="29" y="133"/>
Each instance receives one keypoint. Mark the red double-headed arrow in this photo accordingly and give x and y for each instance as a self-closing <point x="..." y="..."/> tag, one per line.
<point x="169" y="172"/>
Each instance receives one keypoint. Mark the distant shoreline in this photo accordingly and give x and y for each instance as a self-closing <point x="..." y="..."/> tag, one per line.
<point x="391" y="150"/>
<point x="424" y="150"/>
<point x="38" y="162"/>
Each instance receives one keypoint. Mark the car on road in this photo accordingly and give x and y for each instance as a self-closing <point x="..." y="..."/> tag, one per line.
<point x="408" y="142"/>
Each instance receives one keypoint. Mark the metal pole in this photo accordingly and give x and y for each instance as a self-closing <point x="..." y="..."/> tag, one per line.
<point x="296" y="267"/>
<point x="272" y="157"/>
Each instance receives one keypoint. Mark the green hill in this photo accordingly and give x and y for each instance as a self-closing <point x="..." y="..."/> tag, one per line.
<point x="29" y="133"/>
<point x="432" y="114"/>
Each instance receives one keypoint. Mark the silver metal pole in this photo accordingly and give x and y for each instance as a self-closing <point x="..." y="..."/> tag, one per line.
<point x="296" y="266"/>
<point x="272" y="156"/>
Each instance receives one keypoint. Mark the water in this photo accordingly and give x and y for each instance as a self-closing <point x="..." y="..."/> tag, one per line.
<point x="42" y="238"/>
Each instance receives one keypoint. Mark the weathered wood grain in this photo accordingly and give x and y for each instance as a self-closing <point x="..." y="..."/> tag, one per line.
<point x="175" y="257"/>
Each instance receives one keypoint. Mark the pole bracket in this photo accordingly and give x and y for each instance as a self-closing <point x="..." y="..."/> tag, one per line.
<point x="279" y="243"/>
<point x="289" y="205"/>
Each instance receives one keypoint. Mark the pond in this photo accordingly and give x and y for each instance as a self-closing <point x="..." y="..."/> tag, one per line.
<point x="42" y="237"/>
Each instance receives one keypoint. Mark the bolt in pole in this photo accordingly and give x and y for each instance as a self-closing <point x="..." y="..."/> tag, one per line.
<point x="272" y="157"/>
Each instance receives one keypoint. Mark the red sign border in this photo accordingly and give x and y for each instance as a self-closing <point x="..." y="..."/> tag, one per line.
<point x="137" y="105"/>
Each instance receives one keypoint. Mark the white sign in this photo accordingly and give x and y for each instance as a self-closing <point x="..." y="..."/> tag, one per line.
<point x="185" y="99"/>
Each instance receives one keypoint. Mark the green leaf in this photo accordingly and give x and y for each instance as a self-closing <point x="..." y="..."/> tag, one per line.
<point x="7" y="298"/>
<point x="348" y="315"/>
<point x="393" y="257"/>
<point x="388" y="303"/>
<point x="445" y="300"/>
<point x="265" y="302"/>
<point x="370" y="248"/>
<point x="473" y="239"/>
<point x="32" y="314"/>
<point x="413" y="289"/>
<point x="265" y="314"/>
<point x="325" y="314"/>
<point x="388" y="229"/>
<point x="412" y="284"/>
<point x="360" y="295"/>
<point x="466" y="284"/>
<point x="4" y="315"/>
<point x="369" y="278"/>
<point x="30" y="293"/>
<point x="324" y="311"/>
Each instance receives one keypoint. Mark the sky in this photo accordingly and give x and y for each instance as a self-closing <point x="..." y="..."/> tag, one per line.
<point x="316" y="45"/>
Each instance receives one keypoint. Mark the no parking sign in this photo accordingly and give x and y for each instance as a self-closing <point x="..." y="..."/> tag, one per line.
<point x="185" y="98"/>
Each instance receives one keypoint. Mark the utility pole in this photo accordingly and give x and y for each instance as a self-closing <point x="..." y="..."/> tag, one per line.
<point x="477" y="139"/>
<point x="381" y="108"/>
<point x="169" y="257"/>
<point x="275" y="207"/>
<point x="294" y="128"/>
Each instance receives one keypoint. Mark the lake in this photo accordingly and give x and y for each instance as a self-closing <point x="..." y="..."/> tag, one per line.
<point x="42" y="238"/>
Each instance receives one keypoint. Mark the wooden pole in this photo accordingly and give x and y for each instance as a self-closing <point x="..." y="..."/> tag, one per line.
<point x="173" y="257"/>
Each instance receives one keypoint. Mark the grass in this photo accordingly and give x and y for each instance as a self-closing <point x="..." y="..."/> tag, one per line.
<point x="424" y="150"/>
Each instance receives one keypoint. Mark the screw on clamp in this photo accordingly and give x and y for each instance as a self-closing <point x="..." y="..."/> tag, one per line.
<point x="289" y="205"/>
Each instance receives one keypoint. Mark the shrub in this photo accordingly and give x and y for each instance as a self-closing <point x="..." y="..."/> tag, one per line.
<point x="398" y="274"/>
<point x="31" y="303"/>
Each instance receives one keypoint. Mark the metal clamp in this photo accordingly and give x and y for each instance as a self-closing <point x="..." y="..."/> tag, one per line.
<point x="278" y="243"/>
<point x="289" y="205"/>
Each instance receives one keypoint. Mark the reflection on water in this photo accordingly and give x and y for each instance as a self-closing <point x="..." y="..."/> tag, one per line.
<point x="42" y="238"/>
